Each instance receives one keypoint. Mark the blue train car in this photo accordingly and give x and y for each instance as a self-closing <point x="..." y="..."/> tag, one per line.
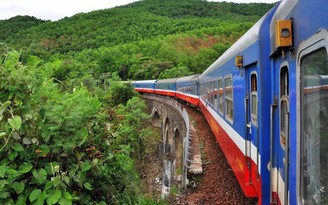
<point x="187" y="89"/>
<point x="299" y="103"/>
<point x="166" y="87"/>
<point x="235" y="97"/>
<point x="144" y="86"/>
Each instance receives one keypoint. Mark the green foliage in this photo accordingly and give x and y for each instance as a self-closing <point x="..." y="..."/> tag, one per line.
<point x="17" y="24"/>
<point x="201" y="9"/>
<point x="119" y="93"/>
<point x="175" y="72"/>
<point x="149" y="201"/>
<point x="132" y="115"/>
<point x="58" y="145"/>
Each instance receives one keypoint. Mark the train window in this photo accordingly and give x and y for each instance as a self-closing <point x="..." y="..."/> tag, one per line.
<point x="208" y="90"/>
<point x="228" y="98"/>
<point x="314" y="127"/>
<point x="194" y="89"/>
<point x="215" y="95"/>
<point x="202" y="90"/>
<point x="211" y="93"/>
<point x="254" y="100"/>
<point x="284" y="106"/>
<point x="284" y="84"/>
<point x="220" y="82"/>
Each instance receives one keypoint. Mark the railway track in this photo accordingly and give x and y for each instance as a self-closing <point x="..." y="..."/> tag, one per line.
<point x="217" y="184"/>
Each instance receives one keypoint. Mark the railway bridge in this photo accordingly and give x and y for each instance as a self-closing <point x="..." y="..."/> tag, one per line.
<point x="179" y="146"/>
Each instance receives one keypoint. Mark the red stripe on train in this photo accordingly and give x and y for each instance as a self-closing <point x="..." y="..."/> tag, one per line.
<point x="165" y="92"/>
<point x="144" y="90"/>
<point x="235" y="158"/>
<point x="189" y="99"/>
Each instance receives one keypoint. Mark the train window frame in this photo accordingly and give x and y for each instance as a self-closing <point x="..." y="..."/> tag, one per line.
<point x="284" y="101"/>
<point x="254" y="116"/>
<point x="211" y="93"/>
<point x="207" y="92"/>
<point x="314" y="43"/>
<point x="221" y="90"/>
<point x="204" y="92"/>
<point x="194" y="88"/>
<point x="214" y="97"/>
<point x="227" y="98"/>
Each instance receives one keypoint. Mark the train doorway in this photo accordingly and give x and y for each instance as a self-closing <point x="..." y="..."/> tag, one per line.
<point x="280" y="122"/>
<point x="252" y="136"/>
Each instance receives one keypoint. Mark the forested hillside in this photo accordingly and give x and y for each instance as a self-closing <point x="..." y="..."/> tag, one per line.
<point x="69" y="132"/>
<point x="9" y="28"/>
<point x="140" y="40"/>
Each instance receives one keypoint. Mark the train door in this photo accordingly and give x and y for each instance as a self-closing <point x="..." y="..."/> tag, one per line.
<point x="280" y="135"/>
<point x="313" y="135"/>
<point x="252" y="139"/>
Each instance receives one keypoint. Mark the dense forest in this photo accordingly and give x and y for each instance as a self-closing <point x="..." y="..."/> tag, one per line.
<point x="143" y="40"/>
<point x="69" y="131"/>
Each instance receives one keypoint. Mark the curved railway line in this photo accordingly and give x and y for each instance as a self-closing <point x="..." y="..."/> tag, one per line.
<point x="218" y="184"/>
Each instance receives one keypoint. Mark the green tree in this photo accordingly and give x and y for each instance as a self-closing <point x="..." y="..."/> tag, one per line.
<point x="175" y="72"/>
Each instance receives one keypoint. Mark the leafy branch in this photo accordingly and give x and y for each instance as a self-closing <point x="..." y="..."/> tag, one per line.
<point x="15" y="122"/>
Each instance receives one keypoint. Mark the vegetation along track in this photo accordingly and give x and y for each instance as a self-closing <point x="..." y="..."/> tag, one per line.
<point x="217" y="185"/>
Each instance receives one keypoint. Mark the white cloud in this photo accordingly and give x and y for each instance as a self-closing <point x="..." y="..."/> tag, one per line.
<point x="54" y="9"/>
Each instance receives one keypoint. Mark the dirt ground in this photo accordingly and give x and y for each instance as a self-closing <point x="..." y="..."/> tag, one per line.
<point x="217" y="185"/>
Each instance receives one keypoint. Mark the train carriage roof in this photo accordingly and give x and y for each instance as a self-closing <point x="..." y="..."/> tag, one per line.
<point x="144" y="82"/>
<point x="171" y="80"/>
<point x="187" y="78"/>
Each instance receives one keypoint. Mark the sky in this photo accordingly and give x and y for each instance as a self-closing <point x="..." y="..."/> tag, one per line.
<point x="57" y="9"/>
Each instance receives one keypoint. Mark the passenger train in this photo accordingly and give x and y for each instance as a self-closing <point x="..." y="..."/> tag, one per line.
<point x="266" y="101"/>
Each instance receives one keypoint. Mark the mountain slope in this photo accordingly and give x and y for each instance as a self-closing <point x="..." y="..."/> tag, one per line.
<point x="17" y="24"/>
<point x="134" y="22"/>
<point x="140" y="40"/>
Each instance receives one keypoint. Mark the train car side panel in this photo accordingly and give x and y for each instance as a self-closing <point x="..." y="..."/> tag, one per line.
<point x="166" y="87"/>
<point x="187" y="89"/>
<point x="296" y="153"/>
<point x="144" y="86"/>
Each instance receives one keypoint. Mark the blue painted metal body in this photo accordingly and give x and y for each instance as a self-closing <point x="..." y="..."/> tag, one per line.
<point x="188" y="84"/>
<point x="166" y="84"/>
<point x="255" y="48"/>
<point x="309" y="17"/>
<point x="144" y="84"/>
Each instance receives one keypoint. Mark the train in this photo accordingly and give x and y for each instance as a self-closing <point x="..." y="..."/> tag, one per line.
<point x="266" y="101"/>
